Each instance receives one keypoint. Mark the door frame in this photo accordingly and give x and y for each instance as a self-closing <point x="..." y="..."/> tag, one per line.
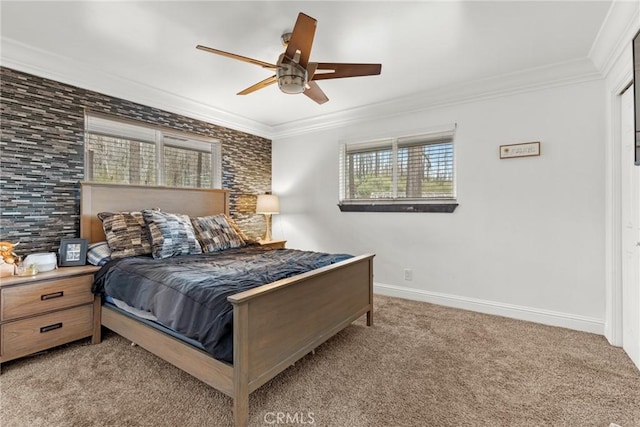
<point x="613" y="210"/>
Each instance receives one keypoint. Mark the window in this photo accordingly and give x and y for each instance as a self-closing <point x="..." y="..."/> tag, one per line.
<point x="123" y="152"/>
<point x="410" y="173"/>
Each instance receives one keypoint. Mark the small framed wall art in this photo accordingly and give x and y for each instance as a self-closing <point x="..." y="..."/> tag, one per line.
<point x="73" y="252"/>
<point x="527" y="149"/>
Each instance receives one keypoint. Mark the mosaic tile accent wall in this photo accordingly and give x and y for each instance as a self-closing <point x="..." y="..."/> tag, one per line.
<point x="42" y="158"/>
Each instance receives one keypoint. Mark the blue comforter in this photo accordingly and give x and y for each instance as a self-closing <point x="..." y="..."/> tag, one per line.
<point x="189" y="293"/>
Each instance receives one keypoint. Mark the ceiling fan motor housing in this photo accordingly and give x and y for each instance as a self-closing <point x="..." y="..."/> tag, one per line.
<point x="292" y="78"/>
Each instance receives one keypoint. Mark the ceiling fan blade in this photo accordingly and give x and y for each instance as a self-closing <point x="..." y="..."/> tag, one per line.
<point x="314" y="92"/>
<point x="266" y="82"/>
<point x="311" y="70"/>
<point x="238" y="57"/>
<point x="302" y="39"/>
<point x="330" y="70"/>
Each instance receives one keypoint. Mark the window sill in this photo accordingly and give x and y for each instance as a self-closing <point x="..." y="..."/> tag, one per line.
<point x="399" y="207"/>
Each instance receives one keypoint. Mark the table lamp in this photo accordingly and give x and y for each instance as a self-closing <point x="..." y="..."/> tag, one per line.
<point x="267" y="205"/>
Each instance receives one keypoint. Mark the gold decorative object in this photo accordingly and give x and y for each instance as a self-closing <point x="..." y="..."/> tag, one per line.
<point x="6" y="252"/>
<point x="8" y="258"/>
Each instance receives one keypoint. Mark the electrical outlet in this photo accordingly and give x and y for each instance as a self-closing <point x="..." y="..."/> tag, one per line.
<point x="408" y="274"/>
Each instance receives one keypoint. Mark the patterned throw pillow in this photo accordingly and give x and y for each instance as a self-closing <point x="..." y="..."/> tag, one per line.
<point x="126" y="233"/>
<point x="171" y="234"/>
<point x="215" y="234"/>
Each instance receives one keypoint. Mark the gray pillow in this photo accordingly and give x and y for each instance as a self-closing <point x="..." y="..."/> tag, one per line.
<point x="171" y="234"/>
<point x="215" y="233"/>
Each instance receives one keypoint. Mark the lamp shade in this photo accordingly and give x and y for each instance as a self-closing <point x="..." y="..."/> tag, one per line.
<point x="267" y="204"/>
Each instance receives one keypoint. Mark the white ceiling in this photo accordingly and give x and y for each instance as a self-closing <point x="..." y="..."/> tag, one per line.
<point x="145" y="51"/>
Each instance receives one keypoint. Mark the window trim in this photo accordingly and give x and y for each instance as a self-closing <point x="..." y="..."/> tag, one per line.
<point x="444" y="207"/>
<point x="395" y="204"/>
<point x="106" y="125"/>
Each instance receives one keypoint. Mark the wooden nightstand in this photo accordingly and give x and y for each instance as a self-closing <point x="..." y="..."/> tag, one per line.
<point x="46" y="310"/>
<point x="274" y="244"/>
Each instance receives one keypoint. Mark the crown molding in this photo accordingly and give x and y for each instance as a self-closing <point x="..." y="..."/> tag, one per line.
<point x="538" y="78"/>
<point x="617" y="30"/>
<point x="26" y="58"/>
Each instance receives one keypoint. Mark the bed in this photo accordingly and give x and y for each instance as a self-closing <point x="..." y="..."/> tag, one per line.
<point x="274" y="325"/>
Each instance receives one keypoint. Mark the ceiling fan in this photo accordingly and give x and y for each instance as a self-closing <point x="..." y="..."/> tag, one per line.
<point x="294" y="73"/>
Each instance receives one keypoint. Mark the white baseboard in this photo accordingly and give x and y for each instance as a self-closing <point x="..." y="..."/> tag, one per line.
<point x="546" y="317"/>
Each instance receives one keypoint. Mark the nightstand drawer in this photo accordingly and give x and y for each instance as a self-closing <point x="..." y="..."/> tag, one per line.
<point x="28" y="336"/>
<point x="36" y="298"/>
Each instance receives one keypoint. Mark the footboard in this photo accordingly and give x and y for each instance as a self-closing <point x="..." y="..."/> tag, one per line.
<point x="277" y="324"/>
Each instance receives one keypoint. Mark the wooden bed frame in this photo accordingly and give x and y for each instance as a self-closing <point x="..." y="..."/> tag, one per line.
<point x="274" y="325"/>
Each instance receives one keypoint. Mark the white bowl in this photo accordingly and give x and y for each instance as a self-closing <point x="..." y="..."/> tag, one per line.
<point x="45" y="261"/>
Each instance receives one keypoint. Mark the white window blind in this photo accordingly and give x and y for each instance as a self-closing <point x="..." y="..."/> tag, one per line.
<point x="416" y="168"/>
<point x="98" y="125"/>
<point x="128" y="153"/>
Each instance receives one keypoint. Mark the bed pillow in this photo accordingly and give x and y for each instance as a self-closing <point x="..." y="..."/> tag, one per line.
<point x="126" y="233"/>
<point x="215" y="233"/>
<point x="99" y="253"/>
<point x="171" y="234"/>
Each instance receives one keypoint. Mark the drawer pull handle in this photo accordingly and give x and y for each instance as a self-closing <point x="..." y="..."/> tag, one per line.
<point x="52" y="296"/>
<point x="50" y="327"/>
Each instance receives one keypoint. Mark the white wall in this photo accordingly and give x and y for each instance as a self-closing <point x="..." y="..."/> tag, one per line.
<point x="528" y="237"/>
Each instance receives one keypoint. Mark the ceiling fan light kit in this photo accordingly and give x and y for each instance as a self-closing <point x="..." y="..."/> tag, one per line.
<point x="294" y="73"/>
<point x="291" y="78"/>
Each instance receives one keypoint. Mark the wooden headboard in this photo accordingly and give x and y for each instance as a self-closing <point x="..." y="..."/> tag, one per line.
<point x="98" y="197"/>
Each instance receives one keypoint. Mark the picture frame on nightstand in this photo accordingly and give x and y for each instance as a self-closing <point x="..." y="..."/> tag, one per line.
<point x="72" y="252"/>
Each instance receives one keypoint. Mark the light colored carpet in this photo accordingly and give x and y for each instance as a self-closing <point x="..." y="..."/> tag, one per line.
<point x="419" y="365"/>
